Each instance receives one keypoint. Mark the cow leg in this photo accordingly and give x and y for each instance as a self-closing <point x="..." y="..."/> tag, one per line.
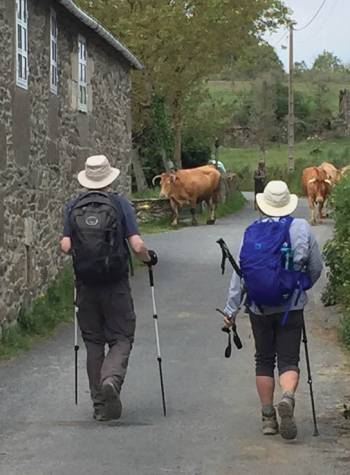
<point x="211" y="211"/>
<point x="175" y="209"/>
<point x="312" y="210"/>
<point x="320" y="212"/>
<point x="193" y="213"/>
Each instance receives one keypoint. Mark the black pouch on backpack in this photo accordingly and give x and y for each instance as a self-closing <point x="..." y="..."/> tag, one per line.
<point x="99" y="252"/>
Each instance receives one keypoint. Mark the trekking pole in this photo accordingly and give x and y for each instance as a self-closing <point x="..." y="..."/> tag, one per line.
<point x="316" y="432"/>
<point x="226" y="254"/>
<point x="155" y="318"/>
<point x="76" y="346"/>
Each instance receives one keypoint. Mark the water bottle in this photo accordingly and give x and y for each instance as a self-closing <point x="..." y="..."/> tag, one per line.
<point x="285" y="255"/>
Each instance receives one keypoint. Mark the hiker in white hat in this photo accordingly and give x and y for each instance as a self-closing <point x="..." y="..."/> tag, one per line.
<point x="97" y="226"/>
<point x="279" y="259"/>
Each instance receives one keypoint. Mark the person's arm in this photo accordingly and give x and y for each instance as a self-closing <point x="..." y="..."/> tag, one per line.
<point x="133" y="237"/>
<point x="66" y="244"/>
<point x="233" y="299"/>
<point x="138" y="247"/>
<point x="306" y="252"/>
<point x="315" y="263"/>
<point x="65" y="241"/>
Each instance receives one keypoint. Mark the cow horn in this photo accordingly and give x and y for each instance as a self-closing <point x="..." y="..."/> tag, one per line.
<point x="155" y="178"/>
<point x="328" y="181"/>
<point x="312" y="180"/>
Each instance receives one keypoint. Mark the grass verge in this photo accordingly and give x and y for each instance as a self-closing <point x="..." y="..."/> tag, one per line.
<point x="41" y="320"/>
<point x="344" y="329"/>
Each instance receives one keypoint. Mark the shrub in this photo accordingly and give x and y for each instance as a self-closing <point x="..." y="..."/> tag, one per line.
<point x="337" y="256"/>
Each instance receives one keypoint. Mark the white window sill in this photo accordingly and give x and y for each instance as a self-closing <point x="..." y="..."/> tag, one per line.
<point x="22" y="84"/>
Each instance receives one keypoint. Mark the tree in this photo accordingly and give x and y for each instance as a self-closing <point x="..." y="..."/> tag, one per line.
<point x="258" y="58"/>
<point x="327" y="62"/>
<point x="181" y="43"/>
<point x="263" y="118"/>
<point x="300" y="67"/>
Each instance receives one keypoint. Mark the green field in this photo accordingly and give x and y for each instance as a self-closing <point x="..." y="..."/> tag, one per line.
<point x="227" y="91"/>
<point x="244" y="160"/>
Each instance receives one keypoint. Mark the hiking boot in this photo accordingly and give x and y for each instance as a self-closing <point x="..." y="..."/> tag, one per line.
<point x="288" y="427"/>
<point x="269" y="423"/>
<point x="113" y="406"/>
<point x="99" y="414"/>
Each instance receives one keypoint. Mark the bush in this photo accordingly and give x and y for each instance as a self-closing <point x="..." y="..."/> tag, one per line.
<point x="337" y="255"/>
<point x="194" y="154"/>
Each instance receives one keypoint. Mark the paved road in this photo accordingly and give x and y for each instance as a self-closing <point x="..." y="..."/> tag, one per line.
<point x="213" y="426"/>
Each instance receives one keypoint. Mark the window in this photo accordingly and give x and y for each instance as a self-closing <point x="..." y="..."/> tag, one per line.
<point x="22" y="44"/>
<point x="53" y="53"/>
<point x="82" y="82"/>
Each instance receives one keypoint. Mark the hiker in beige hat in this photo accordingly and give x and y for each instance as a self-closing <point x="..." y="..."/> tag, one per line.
<point x="97" y="226"/>
<point x="279" y="259"/>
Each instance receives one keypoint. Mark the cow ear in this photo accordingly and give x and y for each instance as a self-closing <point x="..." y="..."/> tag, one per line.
<point x="173" y="178"/>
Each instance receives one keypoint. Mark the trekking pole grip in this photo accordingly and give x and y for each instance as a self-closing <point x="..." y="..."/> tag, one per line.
<point x="151" y="278"/>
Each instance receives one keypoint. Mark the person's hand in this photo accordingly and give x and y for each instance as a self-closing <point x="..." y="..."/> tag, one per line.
<point x="153" y="258"/>
<point x="229" y="321"/>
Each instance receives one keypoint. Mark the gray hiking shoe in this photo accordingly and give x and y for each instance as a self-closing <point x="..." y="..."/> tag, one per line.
<point x="288" y="427"/>
<point x="99" y="414"/>
<point x="113" y="406"/>
<point x="269" y="423"/>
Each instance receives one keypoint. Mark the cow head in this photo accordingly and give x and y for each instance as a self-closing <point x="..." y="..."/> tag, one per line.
<point x="322" y="187"/>
<point x="167" y="183"/>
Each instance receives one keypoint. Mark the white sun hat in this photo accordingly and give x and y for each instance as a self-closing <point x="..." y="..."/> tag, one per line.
<point x="98" y="173"/>
<point x="276" y="200"/>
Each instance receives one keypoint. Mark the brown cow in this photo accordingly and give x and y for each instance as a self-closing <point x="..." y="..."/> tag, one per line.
<point x="332" y="172"/>
<point x="316" y="187"/>
<point x="192" y="186"/>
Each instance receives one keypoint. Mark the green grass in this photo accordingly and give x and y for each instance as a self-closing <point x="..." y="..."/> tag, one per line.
<point x="149" y="193"/>
<point x="244" y="160"/>
<point x="344" y="329"/>
<point x="41" y="320"/>
<point x="227" y="91"/>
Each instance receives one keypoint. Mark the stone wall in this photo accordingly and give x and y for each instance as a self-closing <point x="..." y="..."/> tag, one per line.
<point x="44" y="141"/>
<point x="151" y="209"/>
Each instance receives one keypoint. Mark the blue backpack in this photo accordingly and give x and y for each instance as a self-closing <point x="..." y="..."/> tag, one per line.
<point x="266" y="262"/>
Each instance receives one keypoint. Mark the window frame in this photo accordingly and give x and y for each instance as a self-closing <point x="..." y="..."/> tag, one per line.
<point x="53" y="44"/>
<point x="82" y="74"/>
<point x="22" y="52"/>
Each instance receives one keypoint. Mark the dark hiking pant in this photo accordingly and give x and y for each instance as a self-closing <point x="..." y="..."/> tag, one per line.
<point x="106" y="316"/>
<point x="274" y="340"/>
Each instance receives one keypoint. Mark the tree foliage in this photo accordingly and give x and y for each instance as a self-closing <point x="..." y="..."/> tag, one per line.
<point x="180" y="43"/>
<point x="327" y="62"/>
<point x="258" y="58"/>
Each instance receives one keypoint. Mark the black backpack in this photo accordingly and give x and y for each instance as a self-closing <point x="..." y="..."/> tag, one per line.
<point x="100" y="253"/>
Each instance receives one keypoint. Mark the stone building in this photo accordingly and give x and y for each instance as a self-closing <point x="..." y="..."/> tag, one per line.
<point x="64" y="95"/>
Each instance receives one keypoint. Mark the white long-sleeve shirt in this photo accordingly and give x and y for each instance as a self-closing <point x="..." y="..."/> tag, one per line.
<point x="306" y="254"/>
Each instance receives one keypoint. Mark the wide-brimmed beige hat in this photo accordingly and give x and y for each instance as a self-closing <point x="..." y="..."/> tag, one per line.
<point x="98" y="173"/>
<point x="276" y="201"/>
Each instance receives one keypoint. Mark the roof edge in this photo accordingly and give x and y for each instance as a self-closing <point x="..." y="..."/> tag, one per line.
<point x="92" y="23"/>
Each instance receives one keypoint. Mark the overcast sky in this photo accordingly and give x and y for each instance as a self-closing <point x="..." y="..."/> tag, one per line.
<point x="330" y="31"/>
